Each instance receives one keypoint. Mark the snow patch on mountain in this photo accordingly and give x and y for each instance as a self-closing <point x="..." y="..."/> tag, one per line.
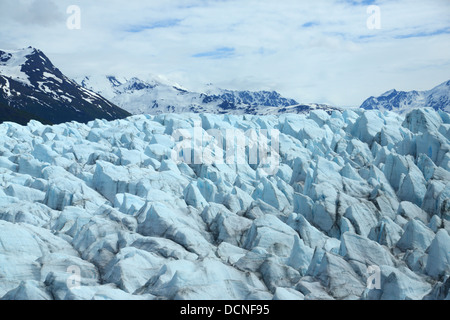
<point x="11" y="62"/>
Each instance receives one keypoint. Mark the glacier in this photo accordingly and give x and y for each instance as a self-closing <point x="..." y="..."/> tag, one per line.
<point x="358" y="208"/>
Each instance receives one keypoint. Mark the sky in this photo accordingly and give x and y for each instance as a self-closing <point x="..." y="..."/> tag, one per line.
<point x="338" y="52"/>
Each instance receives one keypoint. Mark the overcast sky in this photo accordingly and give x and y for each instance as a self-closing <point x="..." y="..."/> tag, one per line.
<point x="312" y="51"/>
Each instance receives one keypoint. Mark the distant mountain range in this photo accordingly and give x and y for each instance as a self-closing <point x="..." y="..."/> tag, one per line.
<point x="401" y="102"/>
<point x="31" y="87"/>
<point x="156" y="96"/>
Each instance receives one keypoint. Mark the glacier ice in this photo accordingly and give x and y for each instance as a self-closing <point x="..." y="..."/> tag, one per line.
<point x="438" y="263"/>
<point x="103" y="211"/>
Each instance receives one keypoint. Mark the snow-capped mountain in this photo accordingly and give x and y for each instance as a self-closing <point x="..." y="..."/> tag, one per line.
<point x="157" y="96"/>
<point x="401" y="102"/>
<point x="357" y="206"/>
<point x="31" y="85"/>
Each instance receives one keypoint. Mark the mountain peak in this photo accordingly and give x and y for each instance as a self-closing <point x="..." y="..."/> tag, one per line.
<point x="388" y="93"/>
<point x="113" y="80"/>
<point x="8" y="57"/>
<point x="13" y="61"/>
<point x="23" y="51"/>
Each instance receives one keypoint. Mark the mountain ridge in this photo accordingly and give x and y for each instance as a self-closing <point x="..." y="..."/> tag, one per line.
<point x="401" y="102"/>
<point x="156" y="97"/>
<point x="31" y="87"/>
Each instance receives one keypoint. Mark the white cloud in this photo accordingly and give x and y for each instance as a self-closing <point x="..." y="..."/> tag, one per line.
<point x="30" y="12"/>
<point x="314" y="51"/>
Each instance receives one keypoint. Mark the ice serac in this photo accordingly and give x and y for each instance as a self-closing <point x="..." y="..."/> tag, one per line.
<point x="416" y="237"/>
<point x="386" y="232"/>
<point x="438" y="263"/>
<point x="358" y="196"/>
<point x="360" y="250"/>
<point x="272" y="234"/>
<point x="363" y="217"/>
<point x="422" y="121"/>
<point x="187" y="280"/>
<point x="337" y="274"/>
<point x="399" y="284"/>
